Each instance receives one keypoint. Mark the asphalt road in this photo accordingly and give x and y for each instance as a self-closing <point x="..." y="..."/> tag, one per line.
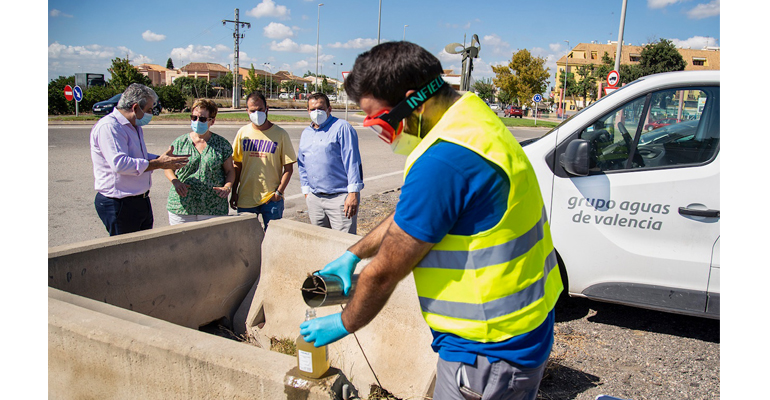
<point x="71" y="214"/>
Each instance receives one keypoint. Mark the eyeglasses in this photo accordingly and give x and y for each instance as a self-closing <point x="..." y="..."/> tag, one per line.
<point x="203" y="119"/>
<point x="386" y="130"/>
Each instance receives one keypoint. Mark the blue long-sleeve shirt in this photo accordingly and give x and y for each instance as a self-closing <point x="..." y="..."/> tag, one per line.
<point x="329" y="160"/>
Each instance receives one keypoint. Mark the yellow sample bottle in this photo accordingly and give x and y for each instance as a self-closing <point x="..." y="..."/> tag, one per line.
<point x="312" y="361"/>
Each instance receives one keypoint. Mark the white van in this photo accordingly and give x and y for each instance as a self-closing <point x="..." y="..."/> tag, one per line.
<point x="631" y="186"/>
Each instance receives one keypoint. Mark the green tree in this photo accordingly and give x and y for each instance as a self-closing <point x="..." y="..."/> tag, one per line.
<point x="253" y="82"/>
<point x="57" y="104"/>
<point x="171" y="97"/>
<point x="661" y="56"/>
<point x="194" y="87"/>
<point x="523" y="76"/>
<point x="485" y="89"/>
<point x="124" y="74"/>
<point x="504" y="97"/>
<point x="290" y="86"/>
<point x="586" y="86"/>
<point x="169" y="64"/>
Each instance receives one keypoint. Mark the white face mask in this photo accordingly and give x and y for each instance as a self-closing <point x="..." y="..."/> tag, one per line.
<point x="318" y="117"/>
<point x="405" y="143"/>
<point x="258" y="117"/>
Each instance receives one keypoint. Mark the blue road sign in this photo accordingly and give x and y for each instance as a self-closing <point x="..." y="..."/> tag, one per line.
<point x="77" y="93"/>
<point x="537" y="98"/>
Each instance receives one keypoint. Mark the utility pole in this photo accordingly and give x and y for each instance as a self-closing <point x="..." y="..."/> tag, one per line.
<point x="620" y="37"/>
<point x="236" y="70"/>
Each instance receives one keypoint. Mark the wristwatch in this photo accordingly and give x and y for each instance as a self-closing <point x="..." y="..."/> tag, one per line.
<point x="279" y="192"/>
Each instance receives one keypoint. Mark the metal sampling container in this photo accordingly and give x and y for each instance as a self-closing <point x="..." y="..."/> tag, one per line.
<point x="326" y="290"/>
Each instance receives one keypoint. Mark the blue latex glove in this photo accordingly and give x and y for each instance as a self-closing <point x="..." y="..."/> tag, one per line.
<point x="324" y="330"/>
<point x="342" y="267"/>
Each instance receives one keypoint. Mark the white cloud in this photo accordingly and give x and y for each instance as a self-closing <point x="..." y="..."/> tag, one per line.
<point x="661" y="3"/>
<point x="447" y="58"/>
<point x="498" y="45"/>
<point x="289" y="45"/>
<point x="151" y="36"/>
<point x="268" y="8"/>
<point x="58" y="13"/>
<point x="556" y="47"/>
<point x="197" y="53"/>
<point x="359" y="43"/>
<point x="65" y="60"/>
<point x="695" y="42"/>
<point x="301" y="64"/>
<point x="704" y="10"/>
<point x="276" y="30"/>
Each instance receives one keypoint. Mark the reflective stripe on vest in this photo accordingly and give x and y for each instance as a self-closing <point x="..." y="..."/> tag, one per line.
<point x="485" y="257"/>
<point x="495" y="308"/>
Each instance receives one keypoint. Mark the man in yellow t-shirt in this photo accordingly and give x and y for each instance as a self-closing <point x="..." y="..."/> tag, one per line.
<point x="264" y="161"/>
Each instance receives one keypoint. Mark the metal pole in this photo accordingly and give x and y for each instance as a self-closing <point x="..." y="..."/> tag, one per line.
<point x="318" y="35"/>
<point x="379" y="19"/>
<point x="405" y="31"/>
<point x="564" y="96"/>
<point x="620" y="36"/>
<point x="236" y="94"/>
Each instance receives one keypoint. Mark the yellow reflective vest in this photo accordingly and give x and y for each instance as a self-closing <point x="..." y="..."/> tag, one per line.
<point x="502" y="282"/>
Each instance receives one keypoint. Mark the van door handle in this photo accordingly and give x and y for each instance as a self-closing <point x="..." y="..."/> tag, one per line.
<point x="699" y="213"/>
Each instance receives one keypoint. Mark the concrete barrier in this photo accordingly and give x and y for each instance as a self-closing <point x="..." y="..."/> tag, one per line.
<point x="396" y="343"/>
<point x="189" y="274"/>
<point x="99" y="351"/>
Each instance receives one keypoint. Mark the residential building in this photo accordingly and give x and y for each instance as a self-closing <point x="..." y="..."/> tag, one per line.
<point x="207" y="71"/>
<point x="159" y="75"/>
<point x="592" y="53"/>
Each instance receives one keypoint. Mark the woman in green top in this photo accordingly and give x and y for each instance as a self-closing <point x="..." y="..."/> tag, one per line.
<point x="200" y="189"/>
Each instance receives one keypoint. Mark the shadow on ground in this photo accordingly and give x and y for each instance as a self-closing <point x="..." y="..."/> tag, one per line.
<point x="638" y="319"/>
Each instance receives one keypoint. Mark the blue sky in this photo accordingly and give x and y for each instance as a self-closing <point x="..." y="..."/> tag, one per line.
<point x="83" y="36"/>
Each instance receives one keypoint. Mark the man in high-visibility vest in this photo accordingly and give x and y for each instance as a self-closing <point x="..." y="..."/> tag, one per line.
<point x="470" y="225"/>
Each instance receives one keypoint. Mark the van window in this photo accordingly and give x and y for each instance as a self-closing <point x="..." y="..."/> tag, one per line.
<point x="667" y="128"/>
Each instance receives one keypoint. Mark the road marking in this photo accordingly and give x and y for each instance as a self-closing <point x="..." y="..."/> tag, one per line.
<point x="373" y="178"/>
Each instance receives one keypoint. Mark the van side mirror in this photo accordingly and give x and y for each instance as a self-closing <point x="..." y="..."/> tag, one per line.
<point x="575" y="159"/>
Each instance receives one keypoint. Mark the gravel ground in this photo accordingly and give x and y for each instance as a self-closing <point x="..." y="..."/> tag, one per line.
<point x="608" y="349"/>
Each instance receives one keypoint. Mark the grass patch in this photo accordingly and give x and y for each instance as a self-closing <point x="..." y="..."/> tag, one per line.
<point x="283" y="345"/>
<point x="529" y="123"/>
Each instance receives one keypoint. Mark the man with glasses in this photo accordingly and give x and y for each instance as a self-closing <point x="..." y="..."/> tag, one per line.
<point x="264" y="162"/>
<point x="200" y="189"/>
<point x="469" y="225"/>
<point x="330" y="170"/>
<point x="122" y="165"/>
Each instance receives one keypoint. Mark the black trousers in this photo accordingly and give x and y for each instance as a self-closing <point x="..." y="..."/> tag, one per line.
<point x="126" y="215"/>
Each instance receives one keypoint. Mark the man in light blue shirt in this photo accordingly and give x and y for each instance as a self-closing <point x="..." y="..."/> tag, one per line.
<point x="330" y="170"/>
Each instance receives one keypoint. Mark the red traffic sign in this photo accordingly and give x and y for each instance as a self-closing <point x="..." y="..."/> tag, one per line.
<point x="613" y="78"/>
<point x="68" y="93"/>
<point x="345" y="75"/>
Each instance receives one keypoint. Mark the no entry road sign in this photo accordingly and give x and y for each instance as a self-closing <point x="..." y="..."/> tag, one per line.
<point x="68" y="93"/>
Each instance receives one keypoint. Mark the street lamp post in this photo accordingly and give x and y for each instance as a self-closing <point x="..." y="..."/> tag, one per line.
<point x="336" y="74"/>
<point x="564" y="96"/>
<point x="405" y="31"/>
<point x="267" y="65"/>
<point x="379" y="20"/>
<point x="318" y="35"/>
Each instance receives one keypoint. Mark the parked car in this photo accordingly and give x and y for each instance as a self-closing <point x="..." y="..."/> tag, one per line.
<point x="106" y="106"/>
<point x="512" y="111"/>
<point x="635" y="214"/>
<point x="332" y="97"/>
<point x="660" y="123"/>
<point x="284" y="96"/>
<point x="494" y="106"/>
